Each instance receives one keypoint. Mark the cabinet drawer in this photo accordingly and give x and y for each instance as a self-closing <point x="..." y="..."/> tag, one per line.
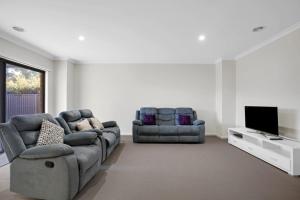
<point x="279" y="161"/>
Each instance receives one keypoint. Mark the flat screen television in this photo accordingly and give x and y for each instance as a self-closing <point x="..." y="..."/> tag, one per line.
<point x="263" y="119"/>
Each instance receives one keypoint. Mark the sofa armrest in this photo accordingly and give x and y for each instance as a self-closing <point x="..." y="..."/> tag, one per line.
<point x="45" y="178"/>
<point x="80" y="138"/>
<point x="198" y="122"/>
<point x="109" y="124"/>
<point x="137" y="122"/>
<point x="94" y="130"/>
<point x="47" y="151"/>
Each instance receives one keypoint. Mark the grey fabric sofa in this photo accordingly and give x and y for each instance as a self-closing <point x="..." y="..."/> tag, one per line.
<point x="167" y="128"/>
<point x="109" y="136"/>
<point x="55" y="172"/>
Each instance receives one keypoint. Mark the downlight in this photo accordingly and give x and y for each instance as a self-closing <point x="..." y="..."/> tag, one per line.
<point x="258" y="29"/>
<point x="18" y="29"/>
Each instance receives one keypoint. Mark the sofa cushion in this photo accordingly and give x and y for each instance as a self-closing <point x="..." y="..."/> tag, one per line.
<point x="30" y="137"/>
<point x="147" y="111"/>
<point x="149" y="119"/>
<point x="166" y="111"/>
<point x="29" y="126"/>
<point x="167" y="130"/>
<point x="81" y="138"/>
<point x="110" y="138"/>
<point x="84" y="125"/>
<point x="188" y="130"/>
<point x="87" y="156"/>
<point x="184" y="119"/>
<point x="114" y="130"/>
<point x="148" y="130"/>
<point x="71" y="116"/>
<point x="183" y="111"/>
<point x="96" y="123"/>
<point x="72" y="125"/>
<point x="86" y="113"/>
<point x="50" y="134"/>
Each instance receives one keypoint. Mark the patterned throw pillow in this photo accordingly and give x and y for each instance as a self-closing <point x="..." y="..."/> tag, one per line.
<point x="50" y="134"/>
<point x="84" y="125"/>
<point x="96" y="123"/>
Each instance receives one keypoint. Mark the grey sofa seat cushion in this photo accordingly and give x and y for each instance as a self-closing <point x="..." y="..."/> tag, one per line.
<point x="167" y="130"/>
<point x="81" y="138"/>
<point x="114" y="130"/>
<point x="47" y="151"/>
<point x="87" y="156"/>
<point x="188" y="130"/>
<point x="110" y="138"/>
<point x="148" y="130"/>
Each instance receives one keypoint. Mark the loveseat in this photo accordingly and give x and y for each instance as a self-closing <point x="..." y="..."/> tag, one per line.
<point x="109" y="135"/>
<point x="56" y="171"/>
<point x="166" y="126"/>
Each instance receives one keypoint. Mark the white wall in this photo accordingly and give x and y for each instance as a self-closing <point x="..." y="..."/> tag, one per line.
<point x="116" y="91"/>
<point x="225" y="96"/>
<point x="25" y="56"/>
<point x="271" y="77"/>
<point x="64" y="86"/>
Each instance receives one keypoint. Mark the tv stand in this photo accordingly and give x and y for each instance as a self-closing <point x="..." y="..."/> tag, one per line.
<point x="283" y="154"/>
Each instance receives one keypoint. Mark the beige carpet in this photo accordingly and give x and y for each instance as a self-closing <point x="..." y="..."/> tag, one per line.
<point x="211" y="171"/>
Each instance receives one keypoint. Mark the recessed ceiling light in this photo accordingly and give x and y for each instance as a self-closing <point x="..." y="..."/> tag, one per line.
<point x="18" y="28"/>
<point x="201" y="37"/>
<point x="258" y="29"/>
<point x="81" y="38"/>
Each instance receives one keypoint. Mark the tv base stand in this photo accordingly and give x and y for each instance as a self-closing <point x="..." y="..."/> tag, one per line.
<point x="283" y="154"/>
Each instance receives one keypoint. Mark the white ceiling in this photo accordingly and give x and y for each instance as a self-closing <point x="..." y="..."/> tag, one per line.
<point x="146" y="31"/>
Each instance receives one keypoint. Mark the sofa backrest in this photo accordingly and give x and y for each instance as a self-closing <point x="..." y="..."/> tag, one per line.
<point x="166" y="116"/>
<point x="71" y="118"/>
<point x="29" y="126"/>
<point x="22" y="132"/>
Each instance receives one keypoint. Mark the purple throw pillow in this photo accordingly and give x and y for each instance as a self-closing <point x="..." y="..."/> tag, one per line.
<point x="149" y="120"/>
<point x="185" y="120"/>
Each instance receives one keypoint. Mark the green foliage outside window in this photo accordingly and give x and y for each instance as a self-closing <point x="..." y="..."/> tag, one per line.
<point x="22" y="81"/>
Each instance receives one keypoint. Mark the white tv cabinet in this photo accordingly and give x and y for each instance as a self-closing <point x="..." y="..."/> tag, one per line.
<point x="284" y="154"/>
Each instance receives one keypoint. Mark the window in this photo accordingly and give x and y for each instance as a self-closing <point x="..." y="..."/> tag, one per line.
<point x="22" y="90"/>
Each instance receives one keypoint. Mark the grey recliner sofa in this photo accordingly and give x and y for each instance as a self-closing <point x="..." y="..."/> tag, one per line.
<point x="167" y="127"/>
<point x="57" y="171"/>
<point x="109" y="136"/>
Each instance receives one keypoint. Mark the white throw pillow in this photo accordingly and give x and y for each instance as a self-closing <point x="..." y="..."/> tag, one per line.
<point x="84" y="125"/>
<point x="50" y="134"/>
<point x="96" y="123"/>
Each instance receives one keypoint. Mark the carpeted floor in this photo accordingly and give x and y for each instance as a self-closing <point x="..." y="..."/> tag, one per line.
<point x="211" y="171"/>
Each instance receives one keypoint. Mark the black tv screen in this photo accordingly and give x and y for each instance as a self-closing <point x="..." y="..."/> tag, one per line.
<point x="263" y="119"/>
